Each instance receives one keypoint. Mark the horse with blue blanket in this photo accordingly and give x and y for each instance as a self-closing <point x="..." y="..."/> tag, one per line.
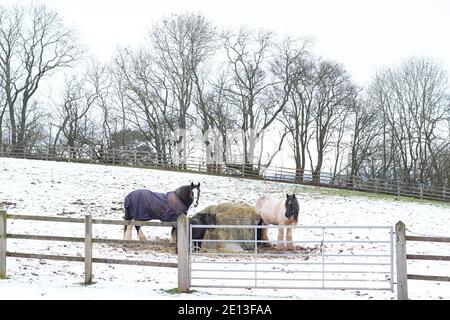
<point x="145" y="205"/>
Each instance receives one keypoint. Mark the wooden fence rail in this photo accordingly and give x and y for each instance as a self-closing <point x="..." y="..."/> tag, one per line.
<point x="197" y="164"/>
<point x="89" y="240"/>
<point x="402" y="257"/>
<point x="94" y="221"/>
<point x="428" y="239"/>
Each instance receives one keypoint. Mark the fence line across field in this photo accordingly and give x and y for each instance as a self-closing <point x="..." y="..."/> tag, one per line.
<point x="325" y="266"/>
<point x="403" y="257"/>
<point x="88" y="240"/>
<point x="185" y="253"/>
<point x="94" y="221"/>
<point x="233" y="226"/>
<point x="199" y="164"/>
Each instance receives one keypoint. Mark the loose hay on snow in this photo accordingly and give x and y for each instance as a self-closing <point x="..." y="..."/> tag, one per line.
<point x="159" y="245"/>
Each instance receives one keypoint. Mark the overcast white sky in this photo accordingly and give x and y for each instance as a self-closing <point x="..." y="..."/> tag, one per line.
<point x="363" y="35"/>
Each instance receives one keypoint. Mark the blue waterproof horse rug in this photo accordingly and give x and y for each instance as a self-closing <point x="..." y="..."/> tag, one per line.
<point x="146" y="205"/>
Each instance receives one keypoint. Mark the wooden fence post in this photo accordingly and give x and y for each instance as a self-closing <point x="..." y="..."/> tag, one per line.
<point x="443" y="194"/>
<point x="402" y="278"/>
<point x="88" y="249"/>
<point x="2" y="244"/>
<point x="183" y="254"/>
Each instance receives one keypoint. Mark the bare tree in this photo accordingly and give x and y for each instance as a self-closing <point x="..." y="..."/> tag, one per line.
<point x="286" y="74"/>
<point x="262" y="76"/>
<point x="297" y="116"/>
<point x="247" y="53"/>
<point x="442" y="163"/>
<point x="34" y="43"/>
<point x="149" y="99"/>
<point x="100" y="80"/>
<point x="11" y="21"/>
<point x="3" y="106"/>
<point x="211" y="107"/>
<point x="119" y="102"/>
<point x="413" y="101"/>
<point x="365" y="128"/>
<point x="331" y="100"/>
<point x="224" y="119"/>
<point x="120" y="105"/>
<point x="380" y="163"/>
<point x="35" y="132"/>
<point x="338" y="144"/>
<point x="204" y="39"/>
<point x="181" y="43"/>
<point x="75" y="128"/>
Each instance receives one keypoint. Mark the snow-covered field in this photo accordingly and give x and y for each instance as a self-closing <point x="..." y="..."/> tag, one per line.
<point x="73" y="190"/>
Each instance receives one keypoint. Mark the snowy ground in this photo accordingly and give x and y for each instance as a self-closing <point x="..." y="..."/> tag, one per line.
<point x="73" y="190"/>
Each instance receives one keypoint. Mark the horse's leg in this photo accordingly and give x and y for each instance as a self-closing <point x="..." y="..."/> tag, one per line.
<point x="127" y="232"/>
<point x="140" y="234"/>
<point x="290" y="244"/>
<point x="201" y="238"/>
<point x="127" y="228"/>
<point x="173" y="235"/>
<point x="280" y="243"/>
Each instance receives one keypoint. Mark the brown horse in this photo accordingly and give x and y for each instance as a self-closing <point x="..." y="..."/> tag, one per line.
<point x="145" y="205"/>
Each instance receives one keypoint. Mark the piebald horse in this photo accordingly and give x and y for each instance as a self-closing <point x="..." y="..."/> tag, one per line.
<point x="145" y="205"/>
<point x="278" y="212"/>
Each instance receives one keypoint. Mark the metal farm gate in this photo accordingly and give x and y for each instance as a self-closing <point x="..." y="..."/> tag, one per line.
<point x="325" y="257"/>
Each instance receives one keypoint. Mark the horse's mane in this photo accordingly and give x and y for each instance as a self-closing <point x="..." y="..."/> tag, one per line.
<point x="184" y="194"/>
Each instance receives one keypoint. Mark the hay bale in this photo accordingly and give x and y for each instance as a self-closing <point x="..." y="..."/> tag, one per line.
<point x="232" y="214"/>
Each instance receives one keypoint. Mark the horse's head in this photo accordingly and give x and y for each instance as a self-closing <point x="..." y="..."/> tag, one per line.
<point x="206" y="218"/>
<point x="186" y="194"/>
<point x="292" y="207"/>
